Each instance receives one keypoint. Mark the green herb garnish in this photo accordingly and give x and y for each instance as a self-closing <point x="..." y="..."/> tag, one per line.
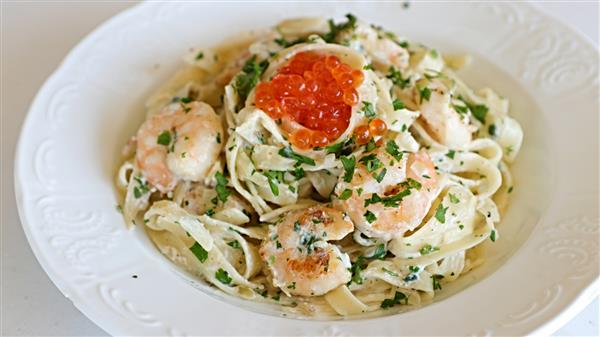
<point x="223" y="276"/>
<point x="440" y="213"/>
<point x="164" y="138"/>
<point x="287" y="152"/>
<point x="392" y="148"/>
<point x="368" y="110"/>
<point x="222" y="191"/>
<point x="200" y="253"/>
<point x="390" y="302"/>
<point x="345" y="195"/>
<point x="396" y="77"/>
<point x="398" y="104"/>
<point x="370" y="216"/>
<point x="349" y="164"/>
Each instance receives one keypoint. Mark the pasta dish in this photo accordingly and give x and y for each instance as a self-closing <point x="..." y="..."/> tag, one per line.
<point x="330" y="168"/>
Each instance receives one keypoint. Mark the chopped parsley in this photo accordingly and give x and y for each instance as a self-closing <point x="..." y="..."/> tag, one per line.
<point x="440" y="213"/>
<point x="200" y="56"/>
<point x="493" y="235"/>
<point x="334" y="148"/>
<point x="492" y="130"/>
<point x="274" y="177"/>
<point x="395" y="200"/>
<point x="335" y="29"/>
<point x="428" y="249"/>
<point x="234" y="244"/>
<point x="222" y="191"/>
<point x="251" y="72"/>
<point x="390" y="302"/>
<point x="436" y="281"/>
<point x="297" y="226"/>
<point x="434" y="53"/>
<point x="349" y="164"/>
<point x="308" y="240"/>
<point x="292" y="285"/>
<point x="453" y="198"/>
<point x="510" y="189"/>
<point x="298" y="173"/>
<point x="142" y="188"/>
<point x="396" y="77"/>
<point x="450" y="154"/>
<point x="370" y="216"/>
<point x="369" y="67"/>
<point x="361" y="263"/>
<point x="368" y="110"/>
<point x="379" y="177"/>
<point x="425" y="94"/>
<point x="218" y="138"/>
<point x="287" y="152"/>
<point x="345" y="195"/>
<point x="379" y="253"/>
<point x="479" y="111"/>
<point x="164" y="138"/>
<point x="200" y="253"/>
<point x="461" y="109"/>
<point x="284" y="43"/>
<point x="371" y="162"/>
<point x="370" y="146"/>
<point x="223" y="276"/>
<point x="392" y="148"/>
<point x="356" y="270"/>
<point x="398" y="104"/>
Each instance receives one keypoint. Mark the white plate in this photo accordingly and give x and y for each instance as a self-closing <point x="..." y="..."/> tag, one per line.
<point x="538" y="275"/>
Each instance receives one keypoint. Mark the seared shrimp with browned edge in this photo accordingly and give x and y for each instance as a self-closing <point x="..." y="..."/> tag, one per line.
<point x="298" y="255"/>
<point x="388" y="193"/>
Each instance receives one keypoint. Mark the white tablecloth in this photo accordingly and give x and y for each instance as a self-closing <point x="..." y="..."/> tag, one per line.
<point x="35" y="38"/>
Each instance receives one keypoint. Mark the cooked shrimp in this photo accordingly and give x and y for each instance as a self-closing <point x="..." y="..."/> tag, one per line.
<point x="298" y="255"/>
<point x="384" y="51"/>
<point x="388" y="206"/>
<point x="180" y="144"/>
<point x="441" y="118"/>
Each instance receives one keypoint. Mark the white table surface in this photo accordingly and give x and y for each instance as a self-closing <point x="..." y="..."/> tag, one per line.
<point x="35" y="38"/>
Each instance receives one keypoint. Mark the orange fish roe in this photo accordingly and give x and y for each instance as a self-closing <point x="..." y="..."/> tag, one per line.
<point x="364" y="133"/>
<point x="315" y="90"/>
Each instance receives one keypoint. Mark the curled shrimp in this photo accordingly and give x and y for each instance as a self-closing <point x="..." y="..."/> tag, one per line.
<point x="388" y="195"/>
<point x="446" y="125"/>
<point x="180" y="144"/>
<point x="300" y="258"/>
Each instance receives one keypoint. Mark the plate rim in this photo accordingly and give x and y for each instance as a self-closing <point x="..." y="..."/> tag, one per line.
<point x="585" y="295"/>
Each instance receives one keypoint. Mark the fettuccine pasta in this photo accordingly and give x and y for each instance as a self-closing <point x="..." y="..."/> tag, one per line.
<point x="329" y="168"/>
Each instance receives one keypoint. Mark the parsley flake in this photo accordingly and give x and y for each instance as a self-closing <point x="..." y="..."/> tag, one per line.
<point x="345" y="195"/>
<point x="370" y="216"/>
<point x="287" y="152"/>
<point x="200" y="253"/>
<point x="390" y="302"/>
<point x="393" y="149"/>
<point x="222" y="191"/>
<point x="440" y="213"/>
<point x="368" y="110"/>
<point x="223" y="276"/>
<point x="349" y="164"/>
<point x="164" y="138"/>
<point x="398" y="104"/>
